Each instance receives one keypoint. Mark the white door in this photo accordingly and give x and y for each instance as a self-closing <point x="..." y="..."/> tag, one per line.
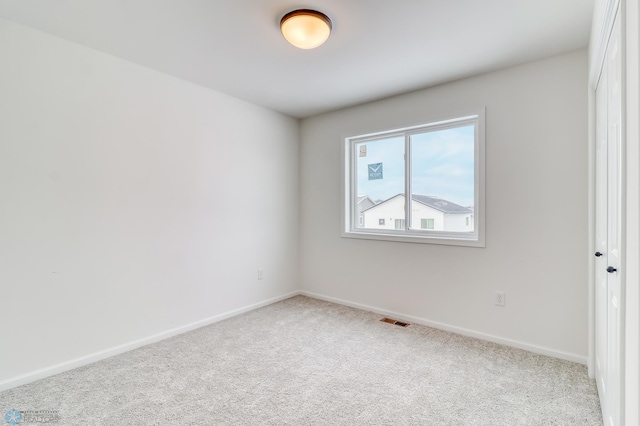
<point x="614" y="194"/>
<point x="601" y="240"/>
<point x="608" y="231"/>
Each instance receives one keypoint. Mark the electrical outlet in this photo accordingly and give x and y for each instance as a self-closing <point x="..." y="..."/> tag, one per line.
<point x="260" y="273"/>
<point x="500" y="298"/>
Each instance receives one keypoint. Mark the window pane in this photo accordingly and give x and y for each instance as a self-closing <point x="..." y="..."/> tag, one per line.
<point x="380" y="176"/>
<point x="442" y="179"/>
<point x="427" y="223"/>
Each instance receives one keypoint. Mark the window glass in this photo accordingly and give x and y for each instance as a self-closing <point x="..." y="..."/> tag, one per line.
<point x="442" y="177"/>
<point x="380" y="175"/>
<point x="427" y="223"/>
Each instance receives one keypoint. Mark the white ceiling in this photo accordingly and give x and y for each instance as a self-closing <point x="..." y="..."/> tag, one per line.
<point x="378" y="48"/>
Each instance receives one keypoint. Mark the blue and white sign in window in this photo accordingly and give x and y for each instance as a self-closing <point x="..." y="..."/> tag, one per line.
<point x="375" y="171"/>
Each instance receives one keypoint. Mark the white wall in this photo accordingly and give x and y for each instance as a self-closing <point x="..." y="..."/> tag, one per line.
<point x="128" y="203"/>
<point x="536" y="212"/>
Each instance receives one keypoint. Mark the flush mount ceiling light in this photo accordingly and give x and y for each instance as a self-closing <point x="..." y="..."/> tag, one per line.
<point x="306" y="29"/>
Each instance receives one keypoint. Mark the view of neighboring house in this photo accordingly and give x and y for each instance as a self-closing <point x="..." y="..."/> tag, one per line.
<point x="364" y="203"/>
<point x="427" y="212"/>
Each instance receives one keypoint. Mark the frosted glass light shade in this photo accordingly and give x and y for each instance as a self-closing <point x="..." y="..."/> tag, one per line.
<point x="305" y="28"/>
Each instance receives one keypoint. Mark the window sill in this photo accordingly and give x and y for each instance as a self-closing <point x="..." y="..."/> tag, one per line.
<point x="450" y="240"/>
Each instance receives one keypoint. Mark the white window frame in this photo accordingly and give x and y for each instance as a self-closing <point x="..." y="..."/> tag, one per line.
<point x="349" y="206"/>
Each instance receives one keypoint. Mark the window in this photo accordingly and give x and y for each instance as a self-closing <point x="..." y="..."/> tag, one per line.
<point x="430" y="223"/>
<point x="429" y="178"/>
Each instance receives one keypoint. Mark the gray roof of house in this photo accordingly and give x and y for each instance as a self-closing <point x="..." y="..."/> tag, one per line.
<point x="435" y="203"/>
<point x="441" y="204"/>
<point x="364" y="203"/>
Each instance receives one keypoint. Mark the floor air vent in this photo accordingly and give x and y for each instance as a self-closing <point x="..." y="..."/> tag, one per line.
<point x="394" y="322"/>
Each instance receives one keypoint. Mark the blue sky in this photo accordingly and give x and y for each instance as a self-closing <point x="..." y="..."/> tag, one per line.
<point x="443" y="165"/>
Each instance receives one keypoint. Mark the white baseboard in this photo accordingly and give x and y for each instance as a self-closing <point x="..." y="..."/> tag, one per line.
<point x="458" y="330"/>
<point x="97" y="356"/>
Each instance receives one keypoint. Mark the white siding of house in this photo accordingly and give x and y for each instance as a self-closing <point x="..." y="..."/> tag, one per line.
<point x="389" y="211"/>
<point x="393" y="209"/>
<point x="420" y="211"/>
<point x="363" y="204"/>
<point x="458" y="222"/>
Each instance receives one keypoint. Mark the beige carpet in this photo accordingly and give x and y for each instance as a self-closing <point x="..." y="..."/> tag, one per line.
<point x="308" y="362"/>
